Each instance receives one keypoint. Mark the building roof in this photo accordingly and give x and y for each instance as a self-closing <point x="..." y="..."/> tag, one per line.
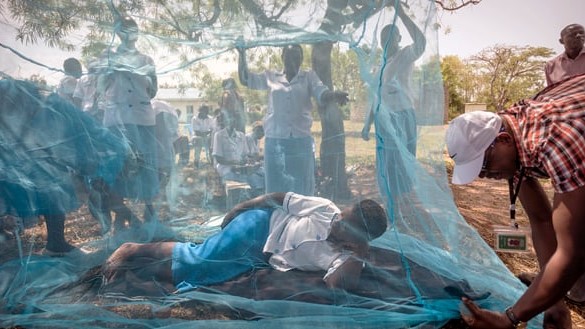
<point x="176" y="94"/>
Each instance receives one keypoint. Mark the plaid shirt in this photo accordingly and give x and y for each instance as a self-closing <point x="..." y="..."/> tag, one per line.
<point x="550" y="133"/>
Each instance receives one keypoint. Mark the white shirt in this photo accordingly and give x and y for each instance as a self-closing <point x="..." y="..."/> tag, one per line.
<point x="396" y="90"/>
<point x="67" y="87"/>
<point x="298" y="235"/>
<point x="129" y="86"/>
<point x="232" y="148"/>
<point x="171" y="124"/>
<point x="202" y="125"/>
<point x="252" y="145"/>
<point x="86" y="91"/>
<point x="289" y="103"/>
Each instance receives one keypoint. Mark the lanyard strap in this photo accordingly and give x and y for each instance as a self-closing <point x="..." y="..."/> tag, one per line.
<point x="513" y="195"/>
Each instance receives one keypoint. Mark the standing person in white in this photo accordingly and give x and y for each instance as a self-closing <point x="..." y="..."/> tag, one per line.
<point x="86" y="94"/>
<point x="289" y="155"/>
<point x="129" y="81"/>
<point x="393" y="111"/>
<point x="66" y="88"/>
<point x="202" y="125"/>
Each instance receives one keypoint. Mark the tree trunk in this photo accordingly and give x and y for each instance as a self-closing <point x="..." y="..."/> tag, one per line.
<point x="333" y="180"/>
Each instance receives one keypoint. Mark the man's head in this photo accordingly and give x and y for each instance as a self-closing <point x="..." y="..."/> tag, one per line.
<point x="203" y="111"/>
<point x="359" y="224"/>
<point x="573" y="38"/>
<point x="390" y="39"/>
<point x="72" y="67"/>
<point x="468" y="138"/>
<point x="228" y="84"/>
<point x="258" y="130"/>
<point x="126" y="29"/>
<point x="292" y="57"/>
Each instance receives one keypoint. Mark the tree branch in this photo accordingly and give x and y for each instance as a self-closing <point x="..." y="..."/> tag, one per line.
<point x="451" y="5"/>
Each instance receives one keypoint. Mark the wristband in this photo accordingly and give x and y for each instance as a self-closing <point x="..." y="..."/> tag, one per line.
<point x="512" y="317"/>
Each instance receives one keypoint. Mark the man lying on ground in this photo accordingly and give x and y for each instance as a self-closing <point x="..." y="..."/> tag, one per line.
<point x="284" y="231"/>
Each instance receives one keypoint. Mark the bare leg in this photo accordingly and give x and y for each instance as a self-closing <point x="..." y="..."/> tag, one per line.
<point x="56" y="233"/>
<point x="147" y="261"/>
<point x="123" y="213"/>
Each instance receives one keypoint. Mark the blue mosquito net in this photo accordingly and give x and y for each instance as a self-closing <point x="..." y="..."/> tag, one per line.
<point x="94" y="154"/>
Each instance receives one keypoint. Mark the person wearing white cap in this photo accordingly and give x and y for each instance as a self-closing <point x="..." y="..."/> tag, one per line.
<point x="542" y="137"/>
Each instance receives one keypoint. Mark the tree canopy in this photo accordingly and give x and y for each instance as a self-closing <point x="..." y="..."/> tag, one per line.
<point x="497" y="76"/>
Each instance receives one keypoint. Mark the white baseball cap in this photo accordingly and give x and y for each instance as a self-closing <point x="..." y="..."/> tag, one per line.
<point x="468" y="137"/>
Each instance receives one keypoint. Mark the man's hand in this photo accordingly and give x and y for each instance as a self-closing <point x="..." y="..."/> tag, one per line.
<point x="484" y="319"/>
<point x="360" y="249"/>
<point x="557" y="317"/>
<point x="268" y="201"/>
<point x="340" y="97"/>
<point x="366" y="133"/>
<point x="233" y="213"/>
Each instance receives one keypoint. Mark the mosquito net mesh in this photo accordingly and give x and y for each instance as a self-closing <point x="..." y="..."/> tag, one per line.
<point x="101" y="158"/>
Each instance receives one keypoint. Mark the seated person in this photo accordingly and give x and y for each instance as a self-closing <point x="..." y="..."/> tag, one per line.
<point x="252" y="140"/>
<point x="283" y="231"/>
<point x="232" y="157"/>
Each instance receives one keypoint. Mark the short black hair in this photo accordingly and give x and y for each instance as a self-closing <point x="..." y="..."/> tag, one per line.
<point x="125" y="23"/>
<point x="228" y="82"/>
<point x="565" y="30"/>
<point x="293" y="46"/>
<point x="374" y="219"/>
<point x="204" y="108"/>
<point x="388" y="33"/>
<point x="72" y="67"/>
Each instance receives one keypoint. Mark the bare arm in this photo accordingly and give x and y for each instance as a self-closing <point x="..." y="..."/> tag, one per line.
<point x="539" y="211"/>
<point x="560" y="269"/>
<point x="271" y="200"/>
<point x="415" y="33"/>
<point x="340" y="97"/>
<point x="566" y="263"/>
<point x="368" y="124"/>
<point x="347" y="276"/>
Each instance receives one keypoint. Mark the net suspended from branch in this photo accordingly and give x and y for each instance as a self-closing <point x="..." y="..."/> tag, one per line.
<point x="97" y="162"/>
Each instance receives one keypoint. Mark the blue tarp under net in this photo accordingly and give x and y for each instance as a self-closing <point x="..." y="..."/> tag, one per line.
<point x="95" y="160"/>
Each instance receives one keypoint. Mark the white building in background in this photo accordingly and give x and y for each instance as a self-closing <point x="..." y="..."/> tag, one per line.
<point x="470" y="107"/>
<point x="186" y="100"/>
